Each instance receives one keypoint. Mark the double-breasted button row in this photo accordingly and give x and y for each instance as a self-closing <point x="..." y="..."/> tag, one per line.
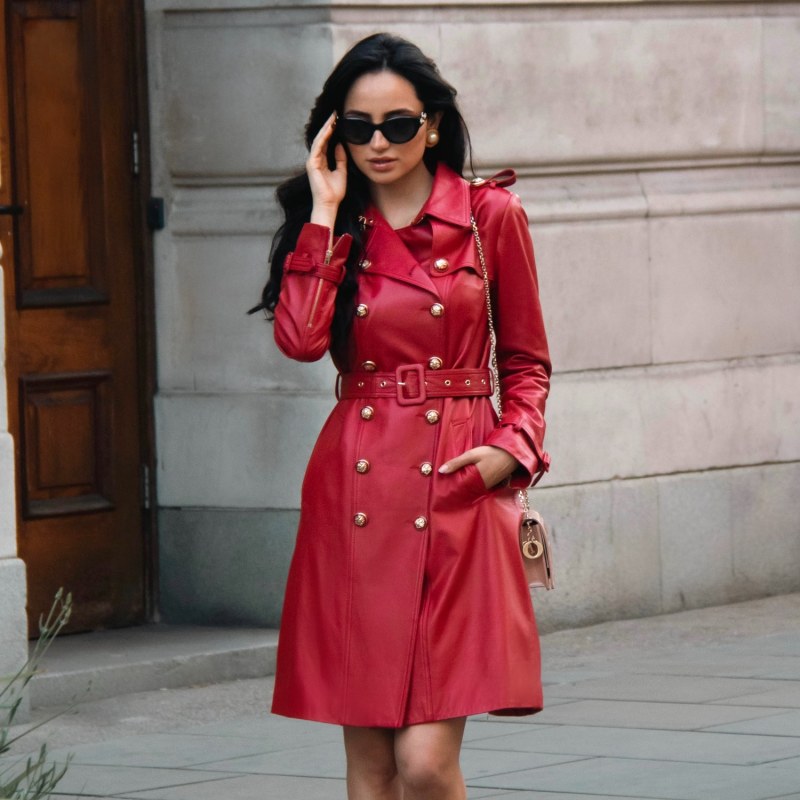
<point x="362" y="310"/>
<point x="434" y="362"/>
<point x="360" y="520"/>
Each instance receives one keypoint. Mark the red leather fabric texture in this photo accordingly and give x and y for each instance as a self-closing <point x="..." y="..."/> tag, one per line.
<point x="406" y="599"/>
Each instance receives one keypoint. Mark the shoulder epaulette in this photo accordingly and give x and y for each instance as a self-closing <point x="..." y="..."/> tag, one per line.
<point x="506" y="177"/>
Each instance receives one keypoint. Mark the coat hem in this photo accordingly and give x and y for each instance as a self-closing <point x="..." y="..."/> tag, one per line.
<point x="506" y="711"/>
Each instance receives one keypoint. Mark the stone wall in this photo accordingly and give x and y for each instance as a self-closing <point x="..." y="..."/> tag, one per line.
<point x="658" y="152"/>
<point x="13" y="621"/>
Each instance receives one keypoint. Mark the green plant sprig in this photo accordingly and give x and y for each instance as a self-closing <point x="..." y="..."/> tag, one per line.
<point x="38" y="778"/>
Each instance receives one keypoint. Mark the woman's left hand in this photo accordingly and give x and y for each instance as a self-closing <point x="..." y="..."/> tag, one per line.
<point x="494" y="464"/>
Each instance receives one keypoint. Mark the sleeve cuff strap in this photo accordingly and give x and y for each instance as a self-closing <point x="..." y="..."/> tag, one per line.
<point x="310" y="251"/>
<point x="534" y="462"/>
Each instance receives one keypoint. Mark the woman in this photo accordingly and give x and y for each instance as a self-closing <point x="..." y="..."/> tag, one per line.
<point x="406" y="607"/>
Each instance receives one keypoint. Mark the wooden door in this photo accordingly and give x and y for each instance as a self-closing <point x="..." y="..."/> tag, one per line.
<point x="72" y="253"/>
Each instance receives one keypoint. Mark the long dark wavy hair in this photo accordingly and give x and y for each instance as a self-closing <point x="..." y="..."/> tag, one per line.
<point x="381" y="51"/>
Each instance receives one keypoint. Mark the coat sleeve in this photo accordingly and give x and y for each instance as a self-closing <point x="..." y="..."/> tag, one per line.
<point x="523" y="358"/>
<point x="311" y="277"/>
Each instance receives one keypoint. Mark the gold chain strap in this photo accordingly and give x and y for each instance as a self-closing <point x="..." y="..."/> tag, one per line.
<point x="492" y="336"/>
<point x="522" y="494"/>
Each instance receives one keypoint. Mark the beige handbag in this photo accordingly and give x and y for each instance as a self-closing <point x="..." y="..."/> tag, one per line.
<point x="534" y="541"/>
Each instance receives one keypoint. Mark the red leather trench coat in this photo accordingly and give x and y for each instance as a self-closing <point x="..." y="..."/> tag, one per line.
<point x="406" y="599"/>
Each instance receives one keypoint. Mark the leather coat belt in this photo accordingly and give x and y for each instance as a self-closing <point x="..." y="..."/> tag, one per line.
<point x="412" y="384"/>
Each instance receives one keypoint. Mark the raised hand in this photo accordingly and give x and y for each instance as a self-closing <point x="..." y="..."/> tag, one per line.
<point x="328" y="186"/>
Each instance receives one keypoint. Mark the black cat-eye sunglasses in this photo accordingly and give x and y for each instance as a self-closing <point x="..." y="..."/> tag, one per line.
<point x="397" y="130"/>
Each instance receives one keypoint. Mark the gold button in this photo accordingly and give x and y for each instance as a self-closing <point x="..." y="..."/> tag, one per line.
<point x="360" y="519"/>
<point x="437" y="309"/>
<point x="432" y="416"/>
<point x="365" y="263"/>
<point x="435" y="362"/>
<point x="420" y="523"/>
<point x="441" y="264"/>
<point x="369" y="366"/>
<point x="368" y="412"/>
<point x="362" y="310"/>
<point x="426" y="468"/>
<point x="362" y="465"/>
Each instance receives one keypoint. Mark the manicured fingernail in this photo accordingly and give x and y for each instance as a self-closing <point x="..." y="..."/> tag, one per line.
<point x="444" y="468"/>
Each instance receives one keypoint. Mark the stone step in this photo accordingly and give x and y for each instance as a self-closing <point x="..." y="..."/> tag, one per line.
<point x="91" y="666"/>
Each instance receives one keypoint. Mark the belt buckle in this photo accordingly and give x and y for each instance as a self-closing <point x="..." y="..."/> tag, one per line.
<point x="401" y="372"/>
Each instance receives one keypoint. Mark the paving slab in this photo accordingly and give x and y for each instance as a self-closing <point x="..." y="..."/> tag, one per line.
<point x="687" y="746"/>
<point x="478" y="729"/>
<point x="523" y="795"/>
<point x="322" y="760"/>
<point x="666" y="688"/>
<point x="477" y="763"/>
<point x="784" y="724"/>
<point x="555" y="677"/>
<point x="783" y="694"/>
<point x="164" y="750"/>
<point x="648" y="778"/>
<point x="720" y="665"/>
<point x="84" y="779"/>
<point x="638" y="714"/>
<point x="774" y="644"/>
<point x="277" y="733"/>
<point x="272" y="787"/>
<point x="329" y="761"/>
<point x="80" y="797"/>
<point x="247" y="787"/>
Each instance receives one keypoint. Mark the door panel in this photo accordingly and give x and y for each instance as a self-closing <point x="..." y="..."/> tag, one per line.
<point x="64" y="438"/>
<point x="71" y="293"/>
<point x="61" y="255"/>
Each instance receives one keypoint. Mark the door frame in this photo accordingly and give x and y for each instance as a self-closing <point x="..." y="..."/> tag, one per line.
<point x="142" y="237"/>
<point x="146" y="317"/>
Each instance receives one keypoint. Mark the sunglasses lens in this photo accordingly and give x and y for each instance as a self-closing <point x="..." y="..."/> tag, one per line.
<point x="355" y="131"/>
<point x="401" y="129"/>
<point x="397" y="130"/>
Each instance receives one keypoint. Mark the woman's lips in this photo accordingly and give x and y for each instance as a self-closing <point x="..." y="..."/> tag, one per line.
<point x="381" y="164"/>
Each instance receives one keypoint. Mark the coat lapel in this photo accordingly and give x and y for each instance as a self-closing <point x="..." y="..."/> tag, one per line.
<point x="448" y="206"/>
<point x="389" y="256"/>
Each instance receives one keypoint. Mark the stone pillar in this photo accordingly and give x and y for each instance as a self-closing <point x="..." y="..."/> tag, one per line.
<point x="13" y="620"/>
<point x="657" y="151"/>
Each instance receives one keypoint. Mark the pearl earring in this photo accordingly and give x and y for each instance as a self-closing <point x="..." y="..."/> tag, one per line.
<point x="432" y="138"/>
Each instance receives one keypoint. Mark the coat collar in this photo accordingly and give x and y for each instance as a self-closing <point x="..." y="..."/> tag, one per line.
<point x="448" y="202"/>
<point x="449" y="199"/>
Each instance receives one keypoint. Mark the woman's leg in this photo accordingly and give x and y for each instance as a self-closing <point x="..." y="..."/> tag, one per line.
<point x="371" y="768"/>
<point x="427" y="760"/>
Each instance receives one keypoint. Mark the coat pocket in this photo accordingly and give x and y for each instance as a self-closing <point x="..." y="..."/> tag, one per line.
<point x="465" y="486"/>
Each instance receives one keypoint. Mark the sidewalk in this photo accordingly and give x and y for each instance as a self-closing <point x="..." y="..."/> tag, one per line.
<point x="701" y="705"/>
